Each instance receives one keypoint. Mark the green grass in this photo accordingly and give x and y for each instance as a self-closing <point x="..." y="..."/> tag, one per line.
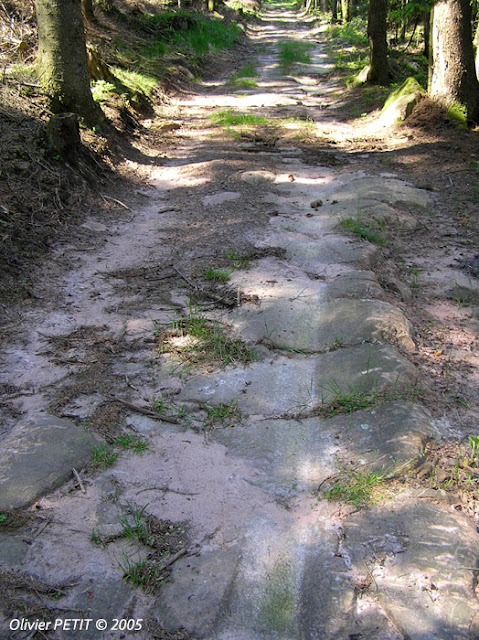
<point x="238" y="261"/>
<point x="245" y="83"/>
<point x="245" y="77"/>
<point x="346" y="400"/>
<point x="102" y="90"/>
<point x="141" y="573"/>
<point x="293" y="51"/>
<point x="216" y="275"/>
<point x="103" y="456"/>
<point x="353" y="32"/>
<point x="207" y="343"/>
<point x="222" y="414"/>
<point x="359" y="488"/>
<point x="136" y="444"/>
<point x="249" y="71"/>
<point x="230" y="118"/>
<point x="363" y="230"/>
<point x="137" y="81"/>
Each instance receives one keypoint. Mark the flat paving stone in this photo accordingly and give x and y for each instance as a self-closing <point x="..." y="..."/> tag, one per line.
<point x="298" y="455"/>
<point x="258" y="177"/>
<point x="331" y="250"/>
<point x="220" y="198"/>
<point x="198" y="592"/>
<point x="298" y="325"/>
<point x="421" y="557"/>
<point x="354" y="284"/>
<point x="386" y="190"/>
<point x="38" y="455"/>
<point x="291" y="384"/>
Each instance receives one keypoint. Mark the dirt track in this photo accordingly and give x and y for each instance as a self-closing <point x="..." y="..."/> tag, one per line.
<point x="243" y="440"/>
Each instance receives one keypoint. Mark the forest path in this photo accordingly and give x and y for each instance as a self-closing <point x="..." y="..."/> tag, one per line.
<point x="240" y="457"/>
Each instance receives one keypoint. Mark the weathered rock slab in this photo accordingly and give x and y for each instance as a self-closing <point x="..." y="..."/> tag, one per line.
<point x="38" y="456"/>
<point x="422" y="558"/>
<point x="198" y="592"/>
<point x="258" y="177"/>
<point x="386" y="190"/>
<point x="290" y="384"/>
<point x="295" y="324"/>
<point x="297" y="455"/>
<point x="354" y="284"/>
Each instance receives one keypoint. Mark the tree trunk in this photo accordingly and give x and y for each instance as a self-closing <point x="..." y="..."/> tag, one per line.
<point x="87" y="8"/>
<point x="452" y="73"/>
<point x="427" y="32"/>
<point x="346" y="11"/>
<point x="403" y="21"/>
<point x="377" y="33"/>
<point x="62" y="59"/>
<point x="334" y="10"/>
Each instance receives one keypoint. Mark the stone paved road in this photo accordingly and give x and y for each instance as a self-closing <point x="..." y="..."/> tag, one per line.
<point x="268" y="556"/>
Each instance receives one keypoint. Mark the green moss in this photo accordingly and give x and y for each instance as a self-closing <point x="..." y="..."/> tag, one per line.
<point x="278" y="602"/>
<point x="458" y="113"/>
<point x="410" y="85"/>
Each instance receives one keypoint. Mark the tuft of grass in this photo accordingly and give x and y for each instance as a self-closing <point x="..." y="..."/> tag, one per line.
<point x="238" y="261"/>
<point x="245" y="77"/>
<point x="245" y="83"/>
<point x="249" y="71"/>
<point x="103" y="456"/>
<point x="199" y="341"/>
<point x="102" y="90"/>
<point x="135" y="443"/>
<point x="136" y="81"/>
<point x="350" y="400"/>
<point x="216" y="275"/>
<point x="363" y="230"/>
<point x="134" y="525"/>
<point x="141" y="573"/>
<point x="293" y="51"/>
<point x="230" y="118"/>
<point x="359" y="488"/>
<point x="353" y="32"/>
<point x="224" y="414"/>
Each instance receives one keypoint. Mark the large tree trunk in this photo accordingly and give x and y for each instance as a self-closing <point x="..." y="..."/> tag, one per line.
<point x="346" y="11"/>
<point x="377" y="33"/>
<point x="427" y="32"/>
<point x="334" y="10"/>
<point x="452" y="73"/>
<point x="88" y="13"/>
<point x="62" y="59"/>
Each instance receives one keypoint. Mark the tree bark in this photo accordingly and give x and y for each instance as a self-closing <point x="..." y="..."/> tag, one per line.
<point x="62" y="59"/>
<point x="87" y="8"/>
<point x="334" y="10"/>
<point x="452" y="73"/>
<point x="377" y="33"/>
<point x="346" y="11"/>
<point x="427" y="32"/>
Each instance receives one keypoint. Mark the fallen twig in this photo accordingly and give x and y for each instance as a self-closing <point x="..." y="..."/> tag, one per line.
<point x="122" y="204"/>
<point x="144" y="410"/>
<point x="172" y="559"/>
<point x="79" y="480"/>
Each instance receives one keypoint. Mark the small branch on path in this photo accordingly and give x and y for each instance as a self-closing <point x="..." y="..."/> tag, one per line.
<point x="144" y="410"/>
<point x="119" y="202"/>
<point x="172" y="559"/>
<point x="79" y="480"/>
